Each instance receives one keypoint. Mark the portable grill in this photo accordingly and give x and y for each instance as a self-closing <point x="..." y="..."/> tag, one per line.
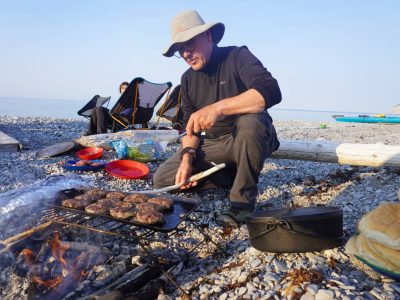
<point x="176" y="222"/>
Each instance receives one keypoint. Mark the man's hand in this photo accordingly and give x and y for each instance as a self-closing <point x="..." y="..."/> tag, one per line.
<point x="203" y="119"/>
<point x="184" y="172"/>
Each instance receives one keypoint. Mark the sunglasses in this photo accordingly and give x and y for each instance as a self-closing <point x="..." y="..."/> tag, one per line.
<point x="188" y="46"/>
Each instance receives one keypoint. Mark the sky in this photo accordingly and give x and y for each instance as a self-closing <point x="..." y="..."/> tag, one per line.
<point x="326" y="55"/>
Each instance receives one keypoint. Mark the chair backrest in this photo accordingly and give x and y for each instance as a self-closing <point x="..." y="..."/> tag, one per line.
<point x="96" y="101"/>
<point x="172" y="107"/>
<point x="136" y="104"/>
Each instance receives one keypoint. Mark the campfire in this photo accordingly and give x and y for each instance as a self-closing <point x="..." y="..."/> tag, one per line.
<point x="56" y="267"/>
<point x="71" y="254"/>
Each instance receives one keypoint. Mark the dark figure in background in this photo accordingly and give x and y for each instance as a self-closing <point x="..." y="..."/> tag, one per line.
<point x="225" y="95"/>
<point x="100" y="120"/>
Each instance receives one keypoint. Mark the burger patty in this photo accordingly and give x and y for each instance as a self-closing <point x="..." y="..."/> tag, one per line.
<point x="149" y="217"/>
<point x="136" y="198"/>
<point x="96" y="193"/>
<point x="148" y="207"/>
<point x="97" y="208"/>
<point x="123" y="212"/>
<point x="115" y="195"/>
<point x="163" y="202"/>
<point x="88" y="197"/>
<point x="124" y="204"/>
<point x="109" y="202"/>
<point x="75" y="203"/>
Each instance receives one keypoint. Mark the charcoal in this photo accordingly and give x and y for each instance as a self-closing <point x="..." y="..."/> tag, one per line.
<point x="109" y="274"/>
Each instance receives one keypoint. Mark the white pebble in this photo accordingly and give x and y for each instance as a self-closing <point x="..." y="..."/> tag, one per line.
<point x="242" y="291"/>
<point x="307" y="296"/>
<point x="324" y="295"/>
<point x="243" y="277"/>
<point x="255" y="263"/>
<point x="224" y="296"/>
<point x="348" y="287"/>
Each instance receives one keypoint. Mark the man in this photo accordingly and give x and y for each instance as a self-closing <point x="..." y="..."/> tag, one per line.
<point x="225" y="94"/>
<point x="100" y="119"/>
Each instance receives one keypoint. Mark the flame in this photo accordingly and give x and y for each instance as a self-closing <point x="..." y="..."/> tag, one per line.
<point x="28" y="255"/>
<point x="72" y="271"/>
<point x="58" y="250"/>
<point x="51" y="283"/>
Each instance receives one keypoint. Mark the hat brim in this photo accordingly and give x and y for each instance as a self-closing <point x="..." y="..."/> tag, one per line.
<point x="217" y="32"/>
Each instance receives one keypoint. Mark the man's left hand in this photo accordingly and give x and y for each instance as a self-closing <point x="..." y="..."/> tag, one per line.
<point x="202" y="120"/>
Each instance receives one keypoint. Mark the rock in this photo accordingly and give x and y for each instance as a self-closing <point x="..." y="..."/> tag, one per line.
<point x="242" y="291"/>
<point x="216" y="289"/>
<point x="280" y="266"/>
<point x="224" y="296"/>
<point x="269" y="258"/>
<point x="250" y="287"/>
<point x="243" y="277"/>
<point x="307" y="296"/>
<point x="255" y="263"/>
<point x="312" y="289"/>
<point x="348" y="287"/>
<point x="324" y="295"/>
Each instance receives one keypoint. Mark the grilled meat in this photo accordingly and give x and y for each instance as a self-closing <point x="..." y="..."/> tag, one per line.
<point x="97" y="193"/>
<point x="88" y="197"/>
<point x="148" y="207"/>
<point x="149" y="217"/>
<point x="75" y="203"/>
<point x="163" y="202"/>
<point x="136" y="198"/>
<point x="97" y="208"/>
<point x="115" y="195"/>
<point x="109" y="202"/>
<point x="121" y="212"/>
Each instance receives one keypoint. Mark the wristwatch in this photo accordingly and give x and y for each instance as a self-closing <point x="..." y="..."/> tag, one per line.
<point x="188" y="150"/>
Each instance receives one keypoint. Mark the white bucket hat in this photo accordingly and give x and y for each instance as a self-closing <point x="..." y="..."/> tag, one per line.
<point x="187" y="25"/>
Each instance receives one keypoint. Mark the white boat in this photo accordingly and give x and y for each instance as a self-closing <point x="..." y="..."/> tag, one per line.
<point x="396" y="109"/>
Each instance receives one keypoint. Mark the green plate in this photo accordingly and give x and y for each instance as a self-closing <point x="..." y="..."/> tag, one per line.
<point x="380" y="270"/>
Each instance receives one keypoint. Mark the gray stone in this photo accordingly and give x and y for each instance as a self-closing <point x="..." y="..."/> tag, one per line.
<point x="312" y="289"/>
<point x="280" y="266"/>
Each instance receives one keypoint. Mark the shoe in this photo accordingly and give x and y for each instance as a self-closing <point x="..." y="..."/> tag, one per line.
<point x="233" y="217"/>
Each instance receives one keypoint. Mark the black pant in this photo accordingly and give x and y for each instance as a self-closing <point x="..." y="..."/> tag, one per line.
<point x="100" y="121"/>
<point x="252" y="140"/>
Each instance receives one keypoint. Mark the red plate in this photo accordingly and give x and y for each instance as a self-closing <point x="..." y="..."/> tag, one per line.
<point x="90" y="153"/>
<point x="127" y="169"/>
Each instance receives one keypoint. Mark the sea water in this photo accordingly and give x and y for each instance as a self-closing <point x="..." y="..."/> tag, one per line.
<point x="56" y="108"/>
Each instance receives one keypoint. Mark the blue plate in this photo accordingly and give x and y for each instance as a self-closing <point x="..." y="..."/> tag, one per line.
<point x="384" y="272"/>
<point x="70" y="165"/>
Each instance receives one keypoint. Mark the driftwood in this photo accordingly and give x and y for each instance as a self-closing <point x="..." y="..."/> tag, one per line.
<point x="8" y="243"/>
<point x="371" y="155"/>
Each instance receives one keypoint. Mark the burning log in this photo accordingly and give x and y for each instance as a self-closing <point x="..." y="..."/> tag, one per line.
<point x="127" y="279"/>
<point x="85" y="247"/>
<point x="24" y="262"/>
<point x="109" y="274"/>
<point x="25" y="234"/>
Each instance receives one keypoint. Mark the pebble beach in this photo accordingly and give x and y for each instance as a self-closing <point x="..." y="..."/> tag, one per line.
<point x="244" y="272"/>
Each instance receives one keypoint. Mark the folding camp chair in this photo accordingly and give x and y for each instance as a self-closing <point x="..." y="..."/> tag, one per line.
<point x="136" y="104"/>
<point x="96" y="101"/>
<point x="172" y="109"/>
